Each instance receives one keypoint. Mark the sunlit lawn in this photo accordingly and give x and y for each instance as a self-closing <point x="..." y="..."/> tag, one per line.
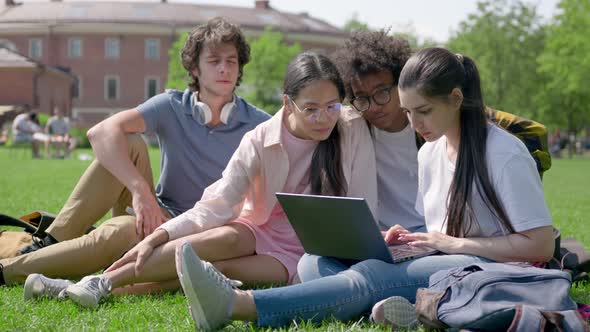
<point x="27" y="185"/>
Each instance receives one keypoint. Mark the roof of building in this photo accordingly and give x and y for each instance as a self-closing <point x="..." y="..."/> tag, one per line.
<point x="12" y="59"/>
<point x="162" y="13"/>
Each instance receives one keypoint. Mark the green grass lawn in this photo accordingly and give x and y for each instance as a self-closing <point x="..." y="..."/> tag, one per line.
<point x="27" y="185"/>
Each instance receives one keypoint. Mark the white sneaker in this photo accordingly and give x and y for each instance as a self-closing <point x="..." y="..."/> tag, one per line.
<point x="395" y="311"/>
<point x="209" y="293"/>
<point x="38" y="286"/>
<point x="90" y="290"/>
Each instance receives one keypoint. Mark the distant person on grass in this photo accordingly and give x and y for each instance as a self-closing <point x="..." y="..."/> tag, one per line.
<point x="58" y="127"/>
<point x="26" y="129"/>
<point x="198" y="131"/>
<point x="370" y="64"/>
<point x="308" y="147"/>
<point x="479" y="191"/>
<point x="3" y="137"/>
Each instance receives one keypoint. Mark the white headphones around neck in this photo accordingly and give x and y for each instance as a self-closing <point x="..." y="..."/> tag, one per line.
<point x="202" y="112"/>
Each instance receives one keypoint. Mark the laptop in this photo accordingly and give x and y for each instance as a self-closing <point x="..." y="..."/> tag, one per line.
<point x="342" y="227"/>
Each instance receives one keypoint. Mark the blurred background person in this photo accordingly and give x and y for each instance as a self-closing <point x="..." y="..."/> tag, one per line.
<point x="58" y="127"/>
<point x="26" y="129"/>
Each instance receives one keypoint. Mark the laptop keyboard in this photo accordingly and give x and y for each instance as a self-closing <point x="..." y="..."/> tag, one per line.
<point x="405" y="251"/>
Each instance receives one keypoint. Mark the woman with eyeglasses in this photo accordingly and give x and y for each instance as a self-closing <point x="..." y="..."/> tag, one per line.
<point x="311" y="146"/>
<point x="479" y="191"/>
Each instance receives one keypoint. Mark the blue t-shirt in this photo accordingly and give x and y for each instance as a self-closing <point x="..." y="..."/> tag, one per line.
<point x="193" y="155"/>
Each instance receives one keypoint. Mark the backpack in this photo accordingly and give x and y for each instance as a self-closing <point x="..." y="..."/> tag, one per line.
<point x="499" y="297"/>
<point x="33" y="224"/>
<point x="570" y="256"/>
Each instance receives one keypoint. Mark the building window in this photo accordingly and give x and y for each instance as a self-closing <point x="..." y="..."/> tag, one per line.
<point x="112" y="48"/>
<point x="8" y="44"/>
<point x="35" y="48"/>
<point x="152" y="86"/>
<point x="152" y="49"/>
<point x="77" y="88"/>
<point x="111" y="88"/>
<point x="74" y="47"/>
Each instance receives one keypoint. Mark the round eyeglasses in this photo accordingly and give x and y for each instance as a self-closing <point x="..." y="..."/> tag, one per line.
<point x="313" y="113"/>
<point x="380" y="97"/>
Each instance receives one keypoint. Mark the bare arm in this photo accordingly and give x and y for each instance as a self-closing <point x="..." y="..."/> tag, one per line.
<point x="109" y="142"/>
<point x="533" y="245"/>
<point x="222" y="201"/>
<point x="141" y="251"/>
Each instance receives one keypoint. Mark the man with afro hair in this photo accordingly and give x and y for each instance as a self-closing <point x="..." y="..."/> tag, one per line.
<point x="370" y="64"/>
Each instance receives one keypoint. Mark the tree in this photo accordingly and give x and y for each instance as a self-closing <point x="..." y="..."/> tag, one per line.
<point x="565" y="62"/>
<point x="504" y="38"/>
<point x="263" y="76"/>
<point x="409" y="33"/>
<point x="405" y="31"/>
<point x="354" y="24"/>
<point x="177" y="75"/>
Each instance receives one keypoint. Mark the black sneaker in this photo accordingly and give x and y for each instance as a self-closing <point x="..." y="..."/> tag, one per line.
<point x="38" y="244"/>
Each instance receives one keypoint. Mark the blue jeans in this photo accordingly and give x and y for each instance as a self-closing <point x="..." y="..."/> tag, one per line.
<point x="352" y="291"/>
<point x="312" y="267"/>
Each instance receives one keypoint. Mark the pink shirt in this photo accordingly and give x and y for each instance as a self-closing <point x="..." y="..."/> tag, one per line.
<point x="276" y="238"/>
<point x="260" y="167"/>
<point x="299" y="153"/>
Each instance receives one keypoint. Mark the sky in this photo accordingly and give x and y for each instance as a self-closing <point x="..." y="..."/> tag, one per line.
<point x="428" y="18"/>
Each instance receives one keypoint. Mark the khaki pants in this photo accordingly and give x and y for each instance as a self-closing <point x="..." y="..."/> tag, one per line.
<point x="77" y="254"/>
<point x="97" y="192"/>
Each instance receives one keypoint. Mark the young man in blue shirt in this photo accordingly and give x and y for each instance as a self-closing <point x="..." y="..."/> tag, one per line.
<point x="198" y="130"/>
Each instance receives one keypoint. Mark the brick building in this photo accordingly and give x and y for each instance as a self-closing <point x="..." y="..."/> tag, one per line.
<point x="118" y="51"/>
<point x="27" y="83"/>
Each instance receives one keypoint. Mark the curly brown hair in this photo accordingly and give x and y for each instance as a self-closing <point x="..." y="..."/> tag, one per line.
<point x="370" y="52"/>
<point x="216" y="30"/>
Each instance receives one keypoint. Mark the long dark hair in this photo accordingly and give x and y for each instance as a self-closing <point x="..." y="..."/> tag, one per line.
<point x="435" y="72"/>
<point x="326" y="173"/>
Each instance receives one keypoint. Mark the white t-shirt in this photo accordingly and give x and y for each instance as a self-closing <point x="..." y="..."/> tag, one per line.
<point x="514" y="178"/>
<point x="397" y="178"/>
<point x="23" y="128"/>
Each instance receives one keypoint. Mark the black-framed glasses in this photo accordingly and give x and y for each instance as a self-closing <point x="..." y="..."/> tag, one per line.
<point x="380" y="97"/>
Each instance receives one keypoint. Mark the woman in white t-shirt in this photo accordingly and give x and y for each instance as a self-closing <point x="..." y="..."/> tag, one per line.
<point x="479" y="191"/>
<point x="478" y="187"/>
